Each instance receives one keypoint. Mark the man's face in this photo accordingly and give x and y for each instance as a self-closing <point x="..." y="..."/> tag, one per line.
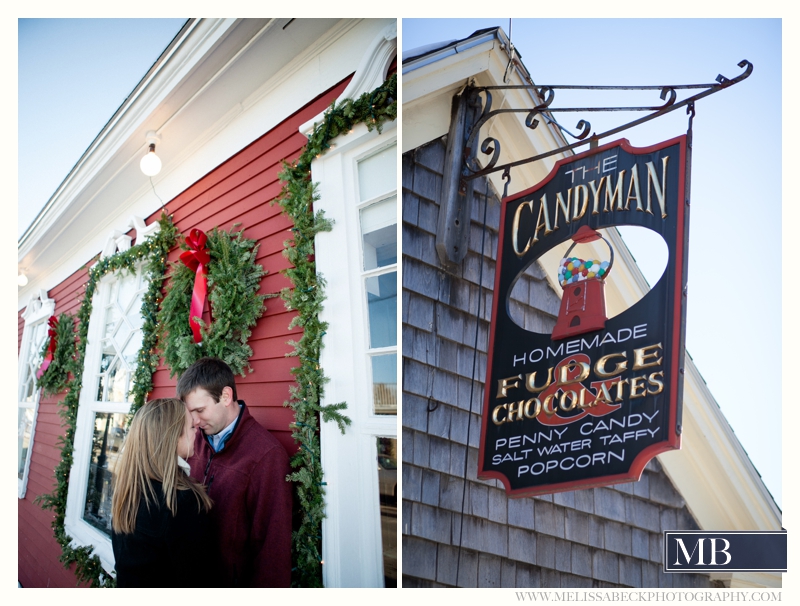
<point x="207" y="414"/>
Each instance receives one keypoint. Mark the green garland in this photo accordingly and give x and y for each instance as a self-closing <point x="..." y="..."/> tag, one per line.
<point x="55" y="379"/>
<point x="233" y="282"/>
<point x="306" y="296"/>
<point x="88" y="568"/>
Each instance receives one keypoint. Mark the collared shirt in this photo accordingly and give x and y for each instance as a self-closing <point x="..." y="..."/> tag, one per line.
<point x="218" y="439"/>
<point x="184" y="465"/>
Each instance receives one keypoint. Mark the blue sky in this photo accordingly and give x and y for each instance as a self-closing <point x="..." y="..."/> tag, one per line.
<point x="735" y="259"/>
<point x="73" y="75"/>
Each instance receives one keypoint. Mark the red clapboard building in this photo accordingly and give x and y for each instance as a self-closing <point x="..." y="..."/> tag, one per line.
<point x="229" y="101"/>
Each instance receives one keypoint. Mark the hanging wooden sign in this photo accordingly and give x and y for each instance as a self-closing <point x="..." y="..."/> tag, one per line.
<point x="592" y="401"/>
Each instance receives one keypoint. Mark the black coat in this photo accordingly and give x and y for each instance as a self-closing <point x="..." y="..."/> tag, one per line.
<point x="166" y="551"/>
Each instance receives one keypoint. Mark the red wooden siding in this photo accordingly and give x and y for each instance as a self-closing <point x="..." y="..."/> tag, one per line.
<point x="238" y="191"/>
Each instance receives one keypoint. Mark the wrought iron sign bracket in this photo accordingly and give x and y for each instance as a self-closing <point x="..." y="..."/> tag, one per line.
<point x="472" y="108"/>
<point x="490" y="146"/>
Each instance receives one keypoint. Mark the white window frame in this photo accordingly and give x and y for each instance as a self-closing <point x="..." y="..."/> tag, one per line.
<point x="38" y="311"/>
<point x="351" y="532"/>
<point x="82" y="532"/>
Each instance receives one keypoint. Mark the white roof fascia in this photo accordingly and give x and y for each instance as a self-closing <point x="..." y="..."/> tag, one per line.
<point x="198" y="132"/>
<point x="182" y="55"/>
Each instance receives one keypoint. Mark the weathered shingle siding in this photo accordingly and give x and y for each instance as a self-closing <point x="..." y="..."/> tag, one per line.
<point x="601" y="537"/>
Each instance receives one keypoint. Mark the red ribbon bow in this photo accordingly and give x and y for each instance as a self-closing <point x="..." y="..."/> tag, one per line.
<point x="197" y="258"/>
<point x="51" y="347"/>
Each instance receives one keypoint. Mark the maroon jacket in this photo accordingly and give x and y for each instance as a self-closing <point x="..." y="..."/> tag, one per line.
<point x="251" y="519"/>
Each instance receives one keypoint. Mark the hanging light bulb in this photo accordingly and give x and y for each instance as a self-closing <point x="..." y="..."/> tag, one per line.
<point x="151" y="163"/>
<point x="22" y="279"/>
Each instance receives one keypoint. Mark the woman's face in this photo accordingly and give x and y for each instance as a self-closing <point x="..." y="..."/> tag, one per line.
<point x="186" y="441"/>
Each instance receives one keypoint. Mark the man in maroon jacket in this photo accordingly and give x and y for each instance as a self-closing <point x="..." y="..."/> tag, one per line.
<point x="244" y="469"/>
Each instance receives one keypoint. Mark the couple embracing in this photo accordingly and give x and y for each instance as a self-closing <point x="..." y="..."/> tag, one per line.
<point x="200" y="493"/>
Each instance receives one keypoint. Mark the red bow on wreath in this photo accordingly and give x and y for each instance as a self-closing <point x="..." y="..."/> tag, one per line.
<point x="197" y="258"/>
<point x="51" y="347"/>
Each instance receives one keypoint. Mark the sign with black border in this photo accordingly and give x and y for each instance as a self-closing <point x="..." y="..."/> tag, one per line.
<point x="591" y="402"/>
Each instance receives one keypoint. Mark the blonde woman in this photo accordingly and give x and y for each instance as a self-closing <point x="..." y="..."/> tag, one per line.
<point x="159" y="514"/>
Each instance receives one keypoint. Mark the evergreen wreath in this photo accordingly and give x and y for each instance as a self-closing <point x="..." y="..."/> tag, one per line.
<point x="55" y="379"/>
<point x="234" y="278"/>
<point x="153" y="251"/>
<point x="306" y="296"/>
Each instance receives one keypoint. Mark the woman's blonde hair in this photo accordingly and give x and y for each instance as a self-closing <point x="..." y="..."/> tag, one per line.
<point x="150" y="453"/>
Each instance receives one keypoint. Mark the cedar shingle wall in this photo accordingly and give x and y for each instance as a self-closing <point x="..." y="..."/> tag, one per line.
<point x="238" y="191"/>
<point x="601" y="537"/>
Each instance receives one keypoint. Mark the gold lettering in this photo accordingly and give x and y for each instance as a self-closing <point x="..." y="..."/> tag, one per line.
<point x="573" y="365"/>
<point x="515" y="410"/>
<point x="530" y="381"/>
<point x="536" y="410"/>
<point x="608" y="206"/>
<point x="547" y="405"/>
<point x="640" y="357"/>
<point x="495" y="414"/>
<point x="600" y="366"/>
<point x="620" y="383"/>
<point x="603" y="395"/>
<point x="573" y="402"/>
<point x="637" y="384"/>
<point x="654" y="381"/>
<point x="543" y="214"/>
<point x="634" y="184"/>
<point x="515" y="229"/>
<point x="596" y="191"/>
<point x="503" y="385"/>
<point x="580" y="189"/>
<point x="582" y="403"/>
<point x="563" y="206"/>
<point x="661" y="190"/>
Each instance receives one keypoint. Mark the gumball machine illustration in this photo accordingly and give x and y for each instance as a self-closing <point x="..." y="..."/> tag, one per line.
<point x="583" y="306"/>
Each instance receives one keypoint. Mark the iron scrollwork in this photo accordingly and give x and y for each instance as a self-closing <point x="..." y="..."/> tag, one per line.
<point x="480" y="98"/>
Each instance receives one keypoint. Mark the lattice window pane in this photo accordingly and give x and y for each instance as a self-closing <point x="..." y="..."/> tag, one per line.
<point x="122" y="338"/>
<point x="33" y="362"/>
